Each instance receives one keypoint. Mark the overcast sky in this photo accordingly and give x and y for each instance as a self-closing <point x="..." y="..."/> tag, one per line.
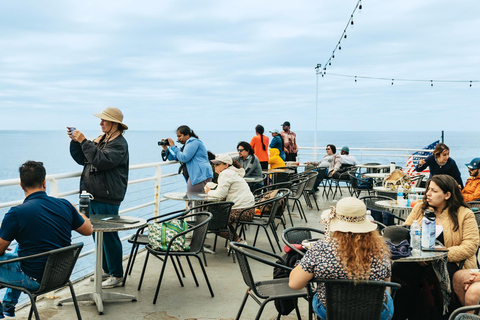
<point x="229" y="65"/>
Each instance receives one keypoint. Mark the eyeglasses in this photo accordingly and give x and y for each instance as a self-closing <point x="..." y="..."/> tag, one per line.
<point x="240" y="150"/>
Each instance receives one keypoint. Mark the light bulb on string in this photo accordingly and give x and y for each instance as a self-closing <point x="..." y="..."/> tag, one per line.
<point x="329" y="63"/>
<point x="431" y="83"/>
<point x="339" y="47"/>
<point x="345" y="35"/>
<point x="360" y="7"/>
<point x="470" y="84"/>
<point x="392" y="81"/>
<point x="333" y="56"/>
<point x="355" y="79"/>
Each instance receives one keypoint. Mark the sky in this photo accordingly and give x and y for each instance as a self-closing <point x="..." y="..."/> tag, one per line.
<point x="230" y="65"/>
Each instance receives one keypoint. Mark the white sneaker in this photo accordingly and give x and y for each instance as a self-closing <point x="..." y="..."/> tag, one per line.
<point x="105" y="276"/>
<point x="112" y="282"/>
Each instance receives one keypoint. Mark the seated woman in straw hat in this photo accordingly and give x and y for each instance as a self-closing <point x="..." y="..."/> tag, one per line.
<point x="352" y="249"/>
<point x="105" y="176"/>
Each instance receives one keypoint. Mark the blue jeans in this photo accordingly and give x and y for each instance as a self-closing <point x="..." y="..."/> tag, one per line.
<point x="12" y="273"/>
<point x="387" y="312"/>
<point x="112" y="246"/>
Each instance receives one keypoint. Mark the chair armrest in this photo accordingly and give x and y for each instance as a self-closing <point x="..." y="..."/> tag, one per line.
<point x="456" y="312"/>
<point x="32" y="256"/>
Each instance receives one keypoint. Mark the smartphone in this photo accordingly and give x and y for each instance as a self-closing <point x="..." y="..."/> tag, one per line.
<point x="71" y="129"/>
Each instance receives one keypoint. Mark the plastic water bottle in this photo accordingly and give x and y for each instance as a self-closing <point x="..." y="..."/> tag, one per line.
<point x="428" y="229"/>
<point x="400" y="199"/>
<point x="392" y="167"/>
<point x="415" y="233"/>
<point x="85" y="203"/>
<point x="369" y="216"/>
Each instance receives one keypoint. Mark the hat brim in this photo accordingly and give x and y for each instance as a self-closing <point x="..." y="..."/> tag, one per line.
<point x="108" y="118"/>
<point x="336" y="224"/>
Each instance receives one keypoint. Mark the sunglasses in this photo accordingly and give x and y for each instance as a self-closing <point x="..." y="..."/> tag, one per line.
<point x="240" y="150"/>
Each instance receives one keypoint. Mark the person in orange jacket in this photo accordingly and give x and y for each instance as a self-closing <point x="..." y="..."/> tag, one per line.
<point x="275" y="160"/>
<point x="472" y="186"/>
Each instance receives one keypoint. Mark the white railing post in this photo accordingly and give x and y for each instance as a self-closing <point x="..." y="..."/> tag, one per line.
<point x="54" y="192"/>
<point x="158" y="184"/>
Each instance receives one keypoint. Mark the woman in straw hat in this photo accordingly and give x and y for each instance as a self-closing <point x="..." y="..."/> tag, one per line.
<point x="352" y="249"/>
<point x="105" y="177"/>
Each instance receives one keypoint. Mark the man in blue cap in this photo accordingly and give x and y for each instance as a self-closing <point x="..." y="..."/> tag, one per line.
<point x="472" y="186"/>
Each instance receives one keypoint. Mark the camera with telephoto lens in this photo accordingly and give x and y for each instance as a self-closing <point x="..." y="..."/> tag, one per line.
<point x="163" y="143"/>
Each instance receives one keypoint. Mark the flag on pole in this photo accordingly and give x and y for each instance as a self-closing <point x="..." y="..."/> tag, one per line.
<point x="412" y="161"/>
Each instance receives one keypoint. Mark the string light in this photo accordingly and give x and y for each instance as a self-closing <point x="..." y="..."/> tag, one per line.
<point x="431" y="81"/>
<point x="343" y="37"/>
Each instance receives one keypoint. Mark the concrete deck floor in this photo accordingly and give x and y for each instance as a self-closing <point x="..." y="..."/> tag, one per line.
<point x="189" y="302"/>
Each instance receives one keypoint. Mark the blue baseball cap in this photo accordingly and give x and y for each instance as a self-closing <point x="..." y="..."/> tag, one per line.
<point x="474" y="164"/>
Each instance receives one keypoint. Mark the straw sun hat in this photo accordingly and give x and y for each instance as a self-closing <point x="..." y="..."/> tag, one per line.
<point x="113" y="115"/>
<point x="348" y="216"/>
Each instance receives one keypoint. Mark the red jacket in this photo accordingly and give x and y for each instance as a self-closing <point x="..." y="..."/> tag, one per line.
<point x="472" y="189"/>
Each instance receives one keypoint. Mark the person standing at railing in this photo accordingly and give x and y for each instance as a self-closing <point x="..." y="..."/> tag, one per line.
<point x="440" y="162"/>
<point x="105" y="176"/>
<point x="259" y="143"/>
<point x="40" y="224"/>
<point x="277" y="142"/>
<point x="290" y="141"/>
<point x="193" y="156"/>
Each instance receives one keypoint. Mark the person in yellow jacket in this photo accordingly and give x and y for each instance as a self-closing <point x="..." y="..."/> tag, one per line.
<point x="275" y="161"/>
<point x="471" y="191"/>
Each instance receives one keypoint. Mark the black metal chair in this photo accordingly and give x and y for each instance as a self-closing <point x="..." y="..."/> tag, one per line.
<point x="461" y="313"/>
<point x="269" y="290"/>
<point x="308" y="190"/>
<point x="202" y="220"/>
<point x="296" y="235"/>
<point x="219" y="223"/>
<point x="58" y="268"/>
<point x="359" y="184"/>
<point x="264" y="220"/>
<point x="342" y="176"/>
<point x="140" y="238"/>
<point x="354" y="300"/>
<point x="297" y="192"/>
<point x="379" y="213"/>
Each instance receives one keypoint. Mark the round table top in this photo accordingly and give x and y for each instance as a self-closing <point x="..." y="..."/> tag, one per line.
<point x="412" y="190"/>
<point x="189" y="196"/>
<point x="373" y="166"/>
<point x="270" y="171"/>
<point x="423" y="256"/>
<point x="295" y="164"/>
<point x="392" y="204"/>
<point x="105" y="226"/>
<point x="249" y="179"/>
<point x="375" y="175"/>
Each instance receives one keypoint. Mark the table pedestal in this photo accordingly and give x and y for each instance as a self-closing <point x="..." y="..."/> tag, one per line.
<point x="98" y="297"/>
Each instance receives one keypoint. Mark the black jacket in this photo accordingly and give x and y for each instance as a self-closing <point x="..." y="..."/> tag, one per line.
<point x="105" y="168"/>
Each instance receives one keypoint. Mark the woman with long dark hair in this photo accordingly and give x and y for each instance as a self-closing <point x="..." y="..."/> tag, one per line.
<point x="457" y="230"/>
<point x="352" y="249"/>
<point x="193" y="156"/>
<point x="440" y="162"/>
<point x="259" y="143"/>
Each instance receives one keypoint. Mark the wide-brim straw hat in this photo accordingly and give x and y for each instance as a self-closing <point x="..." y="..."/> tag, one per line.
<point x="348" y="216"/>
<point x="113" y="115"/>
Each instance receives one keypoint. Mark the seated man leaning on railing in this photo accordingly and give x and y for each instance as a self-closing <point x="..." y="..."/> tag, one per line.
<point x="31" y="225"/>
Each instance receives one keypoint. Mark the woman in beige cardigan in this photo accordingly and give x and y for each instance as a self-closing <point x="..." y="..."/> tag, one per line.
<point x="459" y="234"/>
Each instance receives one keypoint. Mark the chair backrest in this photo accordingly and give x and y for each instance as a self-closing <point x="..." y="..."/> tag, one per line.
<point x="297" y="189"/>
<point x="295" y="235"/>
<point x="202" y="220"/>
<point x="270" y="208"/>
<point x="312" y="178"/>
<point x="261" y="191"/>
<point x="370" y="201"/>
<point x="360" y="183"/>
<point x="220" y="213"/>
<point x="244" y="252"/>
<point x="321" y="175"/>
<point x="59" y="267"/>
<point x="373" y="170"/>
<point x="349" y="300"/>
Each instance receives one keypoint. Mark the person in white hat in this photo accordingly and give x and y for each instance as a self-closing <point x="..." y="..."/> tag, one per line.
<point x="105" y="176"/>
<point x="277" y="142"/>
<point x="232" y="187"/>
<point x="352" y="249"/>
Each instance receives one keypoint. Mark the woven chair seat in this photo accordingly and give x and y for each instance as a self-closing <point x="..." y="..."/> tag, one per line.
<point x="141" y="240"/>
<point x="278" y="288"/>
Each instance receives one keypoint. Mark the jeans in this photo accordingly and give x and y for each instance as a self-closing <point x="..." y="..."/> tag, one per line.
<point x="387" y="312"/>
<point x="112" y="246"/>
<point x="12" y="273"/>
